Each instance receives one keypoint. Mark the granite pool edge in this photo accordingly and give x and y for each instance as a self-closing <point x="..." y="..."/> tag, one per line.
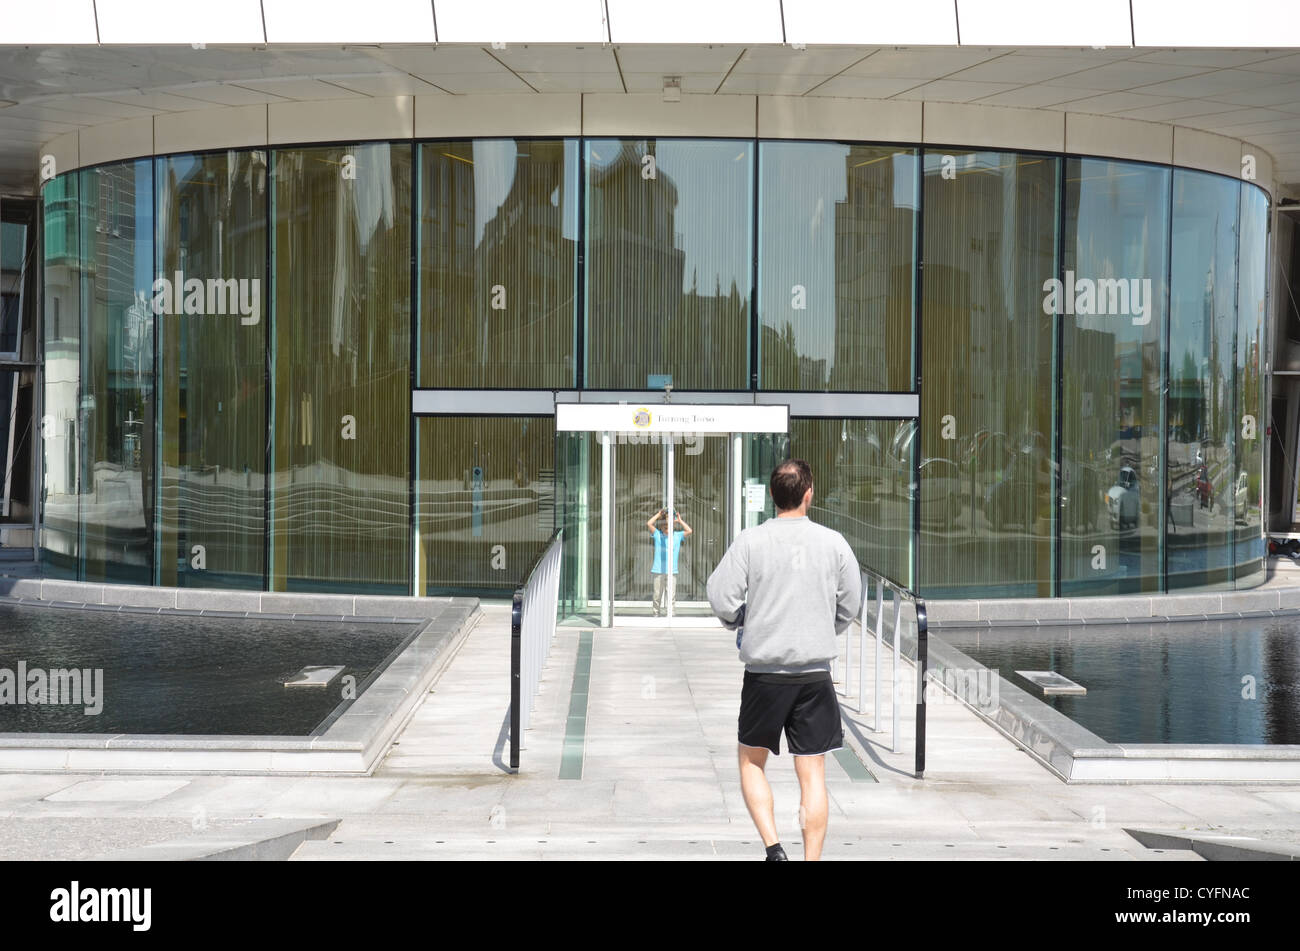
<point x="1076" y="755"/>
<point x="353" y="744"/>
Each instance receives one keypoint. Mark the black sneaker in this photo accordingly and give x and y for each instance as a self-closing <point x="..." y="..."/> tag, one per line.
<point x="777" y="854"/>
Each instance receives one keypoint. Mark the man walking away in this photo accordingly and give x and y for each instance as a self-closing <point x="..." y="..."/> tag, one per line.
<point x="794" y="585"/>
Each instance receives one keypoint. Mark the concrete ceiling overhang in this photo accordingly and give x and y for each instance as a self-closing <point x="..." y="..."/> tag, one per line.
<point x="1252" y="94"/>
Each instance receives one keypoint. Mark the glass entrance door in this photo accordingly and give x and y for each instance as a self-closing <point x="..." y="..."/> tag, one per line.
<point x="611" y="489"/>
<point x="654" y="474"/>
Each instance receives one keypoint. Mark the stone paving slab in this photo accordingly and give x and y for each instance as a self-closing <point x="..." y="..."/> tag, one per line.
<point x="659" y="780"/>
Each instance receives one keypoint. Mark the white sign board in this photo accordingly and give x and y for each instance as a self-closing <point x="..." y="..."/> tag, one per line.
<point x="671" y="418"/>
<point x="755" y="497"/>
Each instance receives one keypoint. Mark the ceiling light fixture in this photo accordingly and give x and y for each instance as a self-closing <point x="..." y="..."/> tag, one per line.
<point x="672" y="89"/>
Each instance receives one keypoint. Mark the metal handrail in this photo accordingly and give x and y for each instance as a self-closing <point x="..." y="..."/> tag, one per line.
<point x="898" y="593"/>
<point x="533" y="610"/>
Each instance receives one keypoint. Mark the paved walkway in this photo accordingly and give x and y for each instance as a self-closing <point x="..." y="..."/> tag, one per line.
<point x="658" y="780"/>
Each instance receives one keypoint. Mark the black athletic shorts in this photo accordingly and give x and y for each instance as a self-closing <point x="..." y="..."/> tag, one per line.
<point x="804" y="705"/>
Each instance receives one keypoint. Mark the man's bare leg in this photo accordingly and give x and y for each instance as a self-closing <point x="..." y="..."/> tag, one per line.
<point x="757" y="792"/>
<point x="812" y="803"/>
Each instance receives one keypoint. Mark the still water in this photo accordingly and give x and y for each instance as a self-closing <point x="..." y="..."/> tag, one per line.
<point x="175" y="674"/>
<point x="1185" y="682"/>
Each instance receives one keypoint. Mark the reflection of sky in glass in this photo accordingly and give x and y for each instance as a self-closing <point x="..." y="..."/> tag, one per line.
<point x="714" y="182"/>
<point x="496" y="163"/>
<point x="800" y="185"/>
<point x="1205" y="217"/>
<point x="143" y="211"/>
<point x="1119" y="233"/>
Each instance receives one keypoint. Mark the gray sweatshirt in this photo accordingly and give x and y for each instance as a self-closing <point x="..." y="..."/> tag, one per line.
<point x="800" y="585"/>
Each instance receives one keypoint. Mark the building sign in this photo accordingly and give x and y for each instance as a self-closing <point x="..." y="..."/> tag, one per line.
<point x="671" y="418"/>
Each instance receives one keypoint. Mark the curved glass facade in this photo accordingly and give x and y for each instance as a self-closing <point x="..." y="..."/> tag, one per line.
<point x="232" y="340"/>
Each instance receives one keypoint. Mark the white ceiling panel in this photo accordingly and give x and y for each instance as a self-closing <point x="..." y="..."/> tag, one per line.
<point x="671" y="60"/>
<point x="1035" y="23"/>
<point x="1288" y="64"/>
<point x="864" y="87"/>
<point x="520" y="21"/>
<point x="1112" y="102"/>
<point x="444" y="59"/>
<point x="385" y="84"/>
<point x="47" y="128"/>
<point x="147" y="103"/>
<point x="166" y="21"/>
<point x="573" y="82"/>
<point x="1213" y="85"/>
<point x="767" y="84"/>
<point x="949" y="90"/>
<point x="1212" y="59"/>
<point x="1246" y="130"/>
<point x="1126" y="75"/>
<point x="816" y="60"/>
<point x="691" y="82"/>
<point x="1216" y="23"/>
<point x="48" y="22"/>
<point x="693" y="21"/>
<point x="1037" y="96"/>
<point x="532" y="58"/>
<point x="1016" y="68"/>
<point x="467" y="83"/>
<point x="1284" y="95"/>
<point x="871" y="22"/>
<point x="225" y="94"/>
<point x="337" y="21"/>
<point x="83" y="111"/>
<point x="302" y="89"/>
<point x="1169" y="111"/>
<point x="919" y="63"/>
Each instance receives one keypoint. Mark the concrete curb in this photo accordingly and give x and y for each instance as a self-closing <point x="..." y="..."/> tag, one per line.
<point x="272" y="840"/>
<point x="1217" y="848"/>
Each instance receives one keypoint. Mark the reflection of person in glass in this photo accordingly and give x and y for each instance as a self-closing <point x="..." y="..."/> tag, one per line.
<point x="663" y="579"/>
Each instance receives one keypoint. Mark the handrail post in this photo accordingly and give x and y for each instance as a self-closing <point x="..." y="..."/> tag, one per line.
<point x="516" y="659"/>
<point x="880" y="636"/>
<point x="922" y="662"/>
<point x="896" y="670"/>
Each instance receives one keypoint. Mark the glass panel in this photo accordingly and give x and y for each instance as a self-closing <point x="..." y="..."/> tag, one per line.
<point x="1114" y="299"/>
<point x="862" y="475"/>
<point x="61" y="429"/>
<point x="485" y="502"/>
<point x="577" y="481"/>
<point x="212" y="339"/>
<point x="1202" y="328"/>
<point x="13" y="274"/>
<point x="988" y="349"/>
<point x="117" y="444"/>
<point x="1246" y="488"/>
<point x="669" y="226"/>
<point x="498" y="263"/>
<point x="837" y="259"/>
<point x="342" y="394"/>
<point x="699" y="495"/>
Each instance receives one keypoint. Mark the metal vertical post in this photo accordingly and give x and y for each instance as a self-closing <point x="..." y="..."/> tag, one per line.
<point x="896" y="671"/>
<point x="862" y="653"/>
<point x="880" y="634"/>
<point x="606" y="531"/>
<point x="670" y="562"/>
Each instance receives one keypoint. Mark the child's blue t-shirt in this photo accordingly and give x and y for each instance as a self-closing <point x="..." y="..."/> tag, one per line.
<point x="660" y="566"/>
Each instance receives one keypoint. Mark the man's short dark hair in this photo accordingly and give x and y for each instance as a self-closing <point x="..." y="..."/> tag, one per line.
<point x="790" y="480"/>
